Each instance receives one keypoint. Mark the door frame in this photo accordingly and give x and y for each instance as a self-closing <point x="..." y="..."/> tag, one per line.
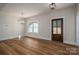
<point x="52" y="27"/>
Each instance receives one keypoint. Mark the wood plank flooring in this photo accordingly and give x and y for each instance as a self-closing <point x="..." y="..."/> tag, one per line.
<point x="30" y="46"/>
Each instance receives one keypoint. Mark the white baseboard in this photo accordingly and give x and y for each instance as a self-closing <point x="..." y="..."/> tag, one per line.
<point x="39" y="37"/>
<point x="43" y="38"/>
<point x="6" y="38"/>
<point x="71" y="43"/>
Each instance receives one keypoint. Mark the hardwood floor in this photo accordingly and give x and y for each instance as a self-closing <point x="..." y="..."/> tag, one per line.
<point x="30" y="46"/>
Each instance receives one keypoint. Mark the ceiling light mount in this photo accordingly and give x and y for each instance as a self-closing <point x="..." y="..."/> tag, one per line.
<point x="52" y="6"/>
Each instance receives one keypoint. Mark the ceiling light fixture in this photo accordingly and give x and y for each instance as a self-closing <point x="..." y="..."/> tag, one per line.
<point x="52" y="6"/>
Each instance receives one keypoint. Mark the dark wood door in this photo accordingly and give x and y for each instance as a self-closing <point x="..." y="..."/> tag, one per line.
<point x="57" y="29"/>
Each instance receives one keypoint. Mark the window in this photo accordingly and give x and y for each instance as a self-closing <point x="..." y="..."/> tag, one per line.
<point x="33" y="27"/>
<point x="57" y="27"/>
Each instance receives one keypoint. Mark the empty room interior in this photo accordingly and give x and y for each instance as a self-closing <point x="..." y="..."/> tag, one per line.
<point x="39" y="29"/>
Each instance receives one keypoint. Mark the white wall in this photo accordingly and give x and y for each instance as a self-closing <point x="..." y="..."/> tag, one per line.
<point x="45" y="24"/>
<point x="9" y="26"/>
<point x="77" y="25"/>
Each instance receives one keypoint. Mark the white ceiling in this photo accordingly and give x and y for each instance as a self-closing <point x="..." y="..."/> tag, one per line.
<point x="28" y="9"/>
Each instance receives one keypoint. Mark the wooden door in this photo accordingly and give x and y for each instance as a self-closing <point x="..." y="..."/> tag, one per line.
<point x="57" y="29"/>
